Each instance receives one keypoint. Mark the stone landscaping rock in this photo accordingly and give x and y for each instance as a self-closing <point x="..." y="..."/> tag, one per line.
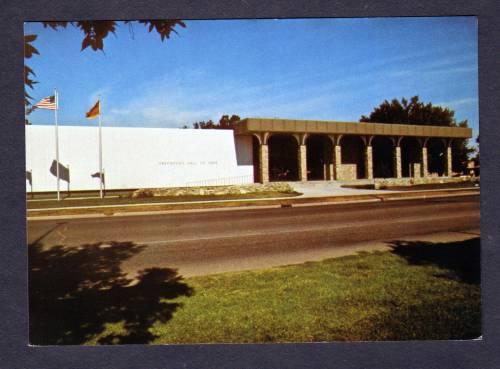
<point x="390" y="182"/>
<point x="254" y="188"/>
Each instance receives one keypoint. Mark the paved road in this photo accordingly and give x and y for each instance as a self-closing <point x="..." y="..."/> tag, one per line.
<point x="209" y="242"/>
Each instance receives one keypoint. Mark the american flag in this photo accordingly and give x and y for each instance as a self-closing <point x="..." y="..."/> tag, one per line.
<point x="47" y="103"/>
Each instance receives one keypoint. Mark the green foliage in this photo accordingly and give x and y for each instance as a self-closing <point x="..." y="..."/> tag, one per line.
<point x="29" y="51"/>
<point x="477" y="157"/>
<point x="461" y="151"/>
<point x="96" y="31"/>
<point x="411" y="112"/>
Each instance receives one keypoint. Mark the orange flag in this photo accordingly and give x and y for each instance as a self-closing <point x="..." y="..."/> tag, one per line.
<point x="94" y="112"/>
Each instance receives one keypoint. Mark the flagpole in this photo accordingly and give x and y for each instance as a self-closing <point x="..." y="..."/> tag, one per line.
<point x="100" y="148"/>
<point x="56" y="98"/>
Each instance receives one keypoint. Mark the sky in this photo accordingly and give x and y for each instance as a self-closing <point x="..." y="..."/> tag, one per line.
<point x="321" y="69"/>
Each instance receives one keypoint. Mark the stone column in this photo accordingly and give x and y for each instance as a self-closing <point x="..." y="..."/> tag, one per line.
<point x="368" y="162"/>
<point x="327" y="165"/>
<point x="416" y="170"/>
<point x="331" y="169"/>
<point x="302" y="163"/>
<point x="337" y="161"/>
<point x="398" y="173"/>
<point x="448" y="163"/>
<point x="330" y="155"/>
<point x="425" y="172"/>
<point x="264" y="163"/>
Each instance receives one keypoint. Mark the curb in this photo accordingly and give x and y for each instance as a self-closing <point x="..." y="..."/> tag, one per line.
<point x="110" y="210"/>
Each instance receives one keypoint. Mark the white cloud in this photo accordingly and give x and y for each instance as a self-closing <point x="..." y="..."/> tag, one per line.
<point x="168" y="102"/>
<point x="119" y="111"/>
<point x="459" y="102"/>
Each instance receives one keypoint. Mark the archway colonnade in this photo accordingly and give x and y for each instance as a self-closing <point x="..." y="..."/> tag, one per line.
<point x="287" y="157"/>
<point x="288" y="150"/>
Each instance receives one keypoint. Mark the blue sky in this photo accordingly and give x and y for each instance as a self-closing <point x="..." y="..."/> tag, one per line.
<point x="330" y="69"/>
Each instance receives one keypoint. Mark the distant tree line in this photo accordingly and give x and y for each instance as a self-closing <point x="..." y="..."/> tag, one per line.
<point x="225" y="122"/>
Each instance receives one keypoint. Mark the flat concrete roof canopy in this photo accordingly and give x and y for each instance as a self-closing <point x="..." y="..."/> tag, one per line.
<point x="272" y="125"/>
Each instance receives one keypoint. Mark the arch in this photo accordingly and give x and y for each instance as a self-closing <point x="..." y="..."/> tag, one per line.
<point x="436" y="156"/>
<point x="353" y="157"/>
<point x="301" y="138"/>
<point x="383" y="157"/>
<point x="319" y="157"/>
<point x="411" y="157"/>
<point x="335" y="140"/>
<point x="258" y="137"/>
<point x="283" y="153"/>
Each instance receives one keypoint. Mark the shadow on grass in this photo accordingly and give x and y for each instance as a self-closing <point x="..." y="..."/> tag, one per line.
<point x="76" y="292"/>
<point x="460" y="260"/>
<point x="436" y="311"/>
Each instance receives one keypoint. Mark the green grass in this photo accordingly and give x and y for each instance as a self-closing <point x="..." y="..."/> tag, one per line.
<point x="69" y="202"/>
<point x="418" y="291"/>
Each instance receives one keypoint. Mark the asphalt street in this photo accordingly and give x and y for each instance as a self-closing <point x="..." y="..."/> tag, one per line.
<point x="216" y="241"/>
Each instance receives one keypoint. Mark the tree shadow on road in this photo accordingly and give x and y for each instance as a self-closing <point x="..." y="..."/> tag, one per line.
<point x="74" y="293"/>
<point x="460" y="260"/>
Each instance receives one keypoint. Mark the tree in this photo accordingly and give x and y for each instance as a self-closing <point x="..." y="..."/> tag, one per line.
<point x="225" y="122"/>
<point x="411" y="112"/>
<point x="476" y="158"/>
<point x="94" y="34"/>
<point x="416" y="112"/>
<point x="204" y="125"/>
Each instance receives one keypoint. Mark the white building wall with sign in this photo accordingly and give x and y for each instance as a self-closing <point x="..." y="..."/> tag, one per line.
<point x="135" y="158"/>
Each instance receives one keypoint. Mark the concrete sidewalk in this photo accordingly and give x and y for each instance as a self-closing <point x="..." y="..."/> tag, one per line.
<point x="330" y="188"/>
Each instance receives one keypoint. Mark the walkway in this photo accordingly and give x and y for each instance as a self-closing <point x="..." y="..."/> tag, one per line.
<point x="330" y="188"/>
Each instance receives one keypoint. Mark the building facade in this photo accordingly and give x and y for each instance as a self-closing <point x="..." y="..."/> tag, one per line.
<point x="326" y="150"/>
<point x="259" y="150"/>
<point x="134" y="158"/>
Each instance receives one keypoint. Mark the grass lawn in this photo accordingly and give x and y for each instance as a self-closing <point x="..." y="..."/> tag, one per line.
<point x="417" y="291"/>
<point x="69" y="202"/>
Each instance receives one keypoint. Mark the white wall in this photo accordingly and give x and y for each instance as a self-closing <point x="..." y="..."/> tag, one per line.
<point x="134" y="157"/>
<point x="244" y="155"/>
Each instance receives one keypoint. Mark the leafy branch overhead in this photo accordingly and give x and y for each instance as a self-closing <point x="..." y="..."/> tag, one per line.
<point x="96" y="31"/>
<point x="29" y="50"/>
<point x="94" y="34"/>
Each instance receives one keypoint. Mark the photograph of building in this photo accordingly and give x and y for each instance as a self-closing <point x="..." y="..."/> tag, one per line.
<point x="252" y="181"/>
